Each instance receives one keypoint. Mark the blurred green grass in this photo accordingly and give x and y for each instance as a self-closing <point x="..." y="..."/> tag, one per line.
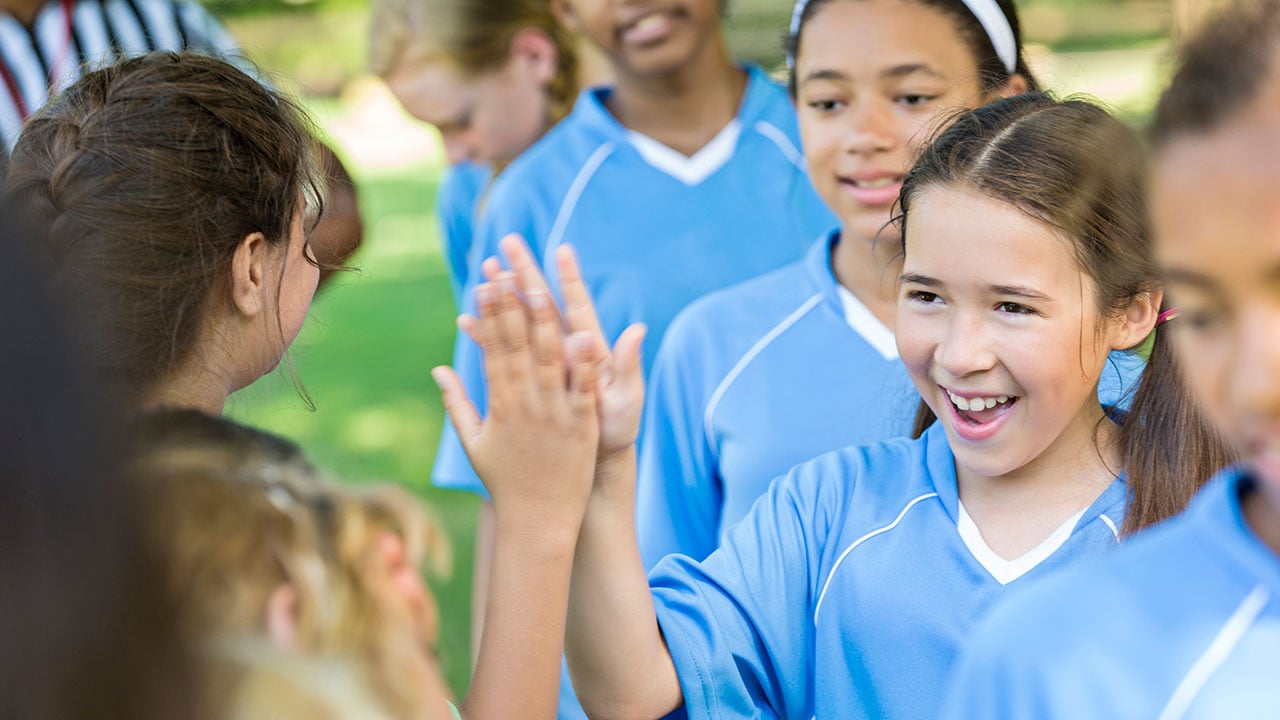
<point x="364" y="356"/>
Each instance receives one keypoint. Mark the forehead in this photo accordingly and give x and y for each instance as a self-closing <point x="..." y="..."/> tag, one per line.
<point x="959" y="236"/>
<point x="1215" y="200"/>
<point x="867" y="36"/>
<point x="431" y="89"/>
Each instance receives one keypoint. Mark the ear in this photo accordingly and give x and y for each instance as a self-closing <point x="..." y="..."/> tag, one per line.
<point x="248" y="274"/>
<point x="282" y="616"/>
<point x="536" y="52"/>
<point x="1016" y="85"/>
<point x="1137" y="322"/>
<point x="567" y="17"/>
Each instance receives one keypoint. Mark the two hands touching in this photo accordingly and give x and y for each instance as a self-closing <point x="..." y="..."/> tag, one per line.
<point x="562" y="403"/>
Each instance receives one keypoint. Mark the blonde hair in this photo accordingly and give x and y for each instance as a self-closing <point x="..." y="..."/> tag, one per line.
<point x="473" y="35"/>
<point x="236" y="516"/>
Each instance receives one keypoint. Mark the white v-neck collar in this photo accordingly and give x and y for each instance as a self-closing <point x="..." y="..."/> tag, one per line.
<point x="865" y="323"/>
<point x="1006" y="571"/>
<point x="689" y="170"/>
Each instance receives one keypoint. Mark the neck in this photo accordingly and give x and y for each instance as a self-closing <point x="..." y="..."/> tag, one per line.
<point x="24" y="11"/>
<point x="686" y="107"/>
<point x="1262" y="513"/>
<point x="869" y="269"/>
<point x="197" y="391"/>
<point x="1017" y="510"/>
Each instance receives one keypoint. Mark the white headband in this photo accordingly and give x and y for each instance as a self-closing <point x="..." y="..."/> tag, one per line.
<point x="988" y="13"/>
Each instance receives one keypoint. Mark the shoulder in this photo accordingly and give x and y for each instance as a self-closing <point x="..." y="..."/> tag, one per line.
<point x="879" y="475"/>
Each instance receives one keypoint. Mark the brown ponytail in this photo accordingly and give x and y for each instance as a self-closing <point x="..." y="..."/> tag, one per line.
<point x="1074" y="167"/>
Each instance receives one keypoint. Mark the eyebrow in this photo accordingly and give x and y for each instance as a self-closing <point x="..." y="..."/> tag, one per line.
<point x="1186" y="277"/>
<point x="1019" y="291"/>
<point x="895" y="72"/>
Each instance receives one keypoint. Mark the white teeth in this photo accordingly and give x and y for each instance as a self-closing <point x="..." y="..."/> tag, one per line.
<point x="978" y="403"/>
<point x="882" y="182"/>
<point x="648" y="22"/>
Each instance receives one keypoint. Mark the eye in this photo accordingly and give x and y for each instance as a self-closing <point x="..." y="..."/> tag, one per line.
<point x="915" y="100"/>
<point x="826" y="105"/>
<point x="924" y="297"/>
<point x="1014" y="308"/>
<point x="1200" y="320"/>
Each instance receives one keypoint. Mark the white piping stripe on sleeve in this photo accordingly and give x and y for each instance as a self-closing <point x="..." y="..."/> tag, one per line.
<point x="826" y="585"/>
<point x="709" y="414"/>
<point x="567" y="207"/>
<point x="779" y="138"/>
<point x="1227" y="639"/>
<point x="1112" y="525"/>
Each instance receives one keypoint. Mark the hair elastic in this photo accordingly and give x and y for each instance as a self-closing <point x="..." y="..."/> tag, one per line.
<point x="988" y="13"/>
<point x="1167" y="315"/>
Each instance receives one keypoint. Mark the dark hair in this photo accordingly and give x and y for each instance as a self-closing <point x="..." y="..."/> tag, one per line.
<point x="145" y="176"/>
<point x="1221" y="69"/>
<point x="992" y="73"/>
<point x="167" y="428"/>
<point x="1077" y="169"/>
<point x="84" y="631"/>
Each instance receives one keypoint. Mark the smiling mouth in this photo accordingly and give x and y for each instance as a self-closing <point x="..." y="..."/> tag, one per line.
<point x="980" y="410"/>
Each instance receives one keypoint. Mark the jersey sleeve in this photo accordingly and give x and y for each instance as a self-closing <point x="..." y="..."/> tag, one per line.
<point x="739" y="625"/>
<point x="678" y="491"/>
<point x="505" y="213"/>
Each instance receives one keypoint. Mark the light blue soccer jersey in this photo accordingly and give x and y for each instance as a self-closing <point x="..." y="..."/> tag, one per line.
<point x="752" y="380"/>
<point x="653" y="229"/>
<point x="1183" y="622"/>
<point x="849" y="588"/>
<point x="457" y="201"/>
<point x="756" y="378"/>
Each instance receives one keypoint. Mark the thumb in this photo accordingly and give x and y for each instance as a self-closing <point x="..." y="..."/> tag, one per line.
<point x="461" y="411"/>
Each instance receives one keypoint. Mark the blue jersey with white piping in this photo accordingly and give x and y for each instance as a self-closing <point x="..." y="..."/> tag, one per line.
<point x="457" y="202"/>
<point x="756" y="378"/>
<point x="1182" y="622"/>
<point x="653" y="229"/>
<point x="849" y="588"/>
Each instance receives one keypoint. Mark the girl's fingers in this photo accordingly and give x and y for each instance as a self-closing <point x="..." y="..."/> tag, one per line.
<point x="626" y="354"/>
<point x="469" y="325"/>
<point x="491" y="268"/>
<point x="495" y="360"/>
<point x="513" y="329"/>
<point x="584" y="357"/>
<point x="516" y="251"/>
<point x="579" y="311"/>
<point x="462" y="412"/>
<point x="546" y="341"/>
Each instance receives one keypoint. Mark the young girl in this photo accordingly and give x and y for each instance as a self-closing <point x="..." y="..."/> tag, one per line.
<point x="174" y="192"/>
<point x="738" y="394"/>
<point x="491" y="76"/>
<point x="852" y="583"/>
<point x="1185" y="620"/>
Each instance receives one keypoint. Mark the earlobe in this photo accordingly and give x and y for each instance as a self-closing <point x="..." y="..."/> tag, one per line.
<point x="248" y="274"/>
<point x="1138" y="321"/>
<point x="1017" y="85"/>
<point x="536" y="50"/>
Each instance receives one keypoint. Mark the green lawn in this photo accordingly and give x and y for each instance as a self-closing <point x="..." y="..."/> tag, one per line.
<point x="364" y="355"/>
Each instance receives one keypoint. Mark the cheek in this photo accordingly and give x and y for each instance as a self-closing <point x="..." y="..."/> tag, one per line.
<point x="917" y="338"/>
<point x="1206" y="372"/>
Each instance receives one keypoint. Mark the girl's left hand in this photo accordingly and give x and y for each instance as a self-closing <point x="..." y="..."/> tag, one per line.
<point x="620" y="378"/>
<point x="535" y="450"/>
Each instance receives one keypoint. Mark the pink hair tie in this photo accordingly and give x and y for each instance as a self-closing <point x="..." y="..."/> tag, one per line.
<point x="1167" y="315"/>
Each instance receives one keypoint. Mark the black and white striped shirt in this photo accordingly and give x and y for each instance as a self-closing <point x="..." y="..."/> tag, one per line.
<point x="70" y="35"/>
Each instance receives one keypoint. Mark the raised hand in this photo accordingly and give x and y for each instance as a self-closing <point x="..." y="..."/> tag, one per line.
<point x="535" y="450"/>
<point x="620" y="380"/>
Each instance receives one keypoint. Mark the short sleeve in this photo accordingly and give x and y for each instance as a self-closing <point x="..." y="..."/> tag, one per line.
<point x="457" y="203"/>
<point x="739" y="625"/>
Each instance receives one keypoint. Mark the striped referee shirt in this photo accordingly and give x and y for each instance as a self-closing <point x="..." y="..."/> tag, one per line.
<point x="68" y="36"/>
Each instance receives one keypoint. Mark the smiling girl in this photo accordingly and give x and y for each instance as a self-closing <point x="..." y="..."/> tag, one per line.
<point x="740" y="391"/>
<point x="1185" y="620"/>
<point x="851" y="585"/>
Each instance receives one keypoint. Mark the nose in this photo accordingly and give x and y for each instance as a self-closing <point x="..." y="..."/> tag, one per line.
<point x="965" y="348"/>
<point x="1255" y="382"/>
<point x="872" y="127"/>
